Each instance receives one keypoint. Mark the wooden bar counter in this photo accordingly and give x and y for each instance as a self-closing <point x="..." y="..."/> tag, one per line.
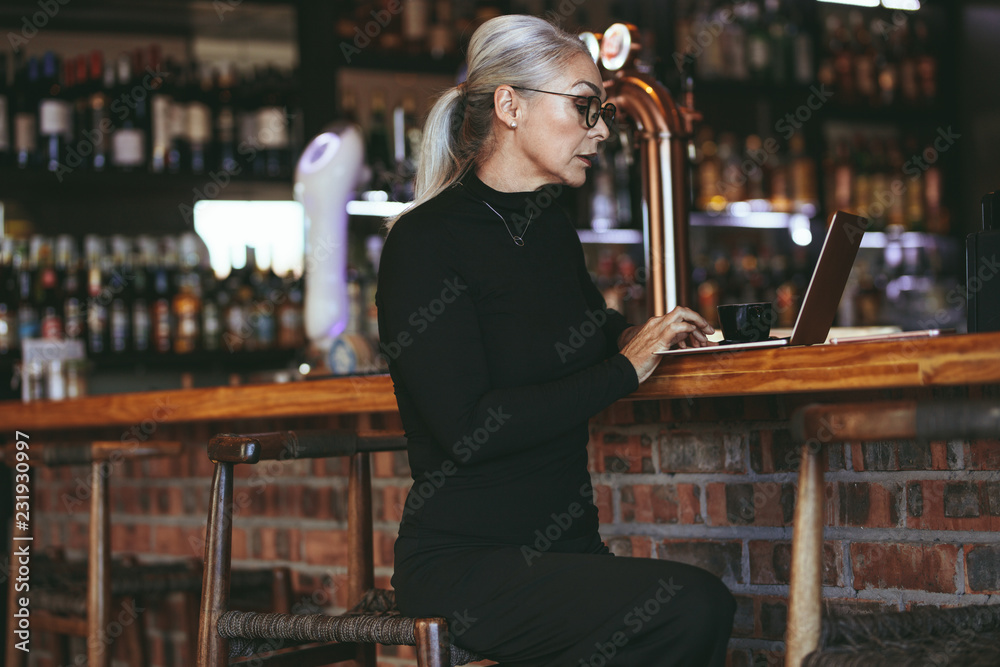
<point x="930" y="362"/>
<point x="698" y="466"/>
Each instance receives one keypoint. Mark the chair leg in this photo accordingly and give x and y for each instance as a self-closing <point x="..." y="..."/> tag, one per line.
<point x="98" y="571"/>
<point x="433" y="647"/>
<point x="806" y="589"/>
<point x="134" y="635"/>
<point x="213" y="650"/>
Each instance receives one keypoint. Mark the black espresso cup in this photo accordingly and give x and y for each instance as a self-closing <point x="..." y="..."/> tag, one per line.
<point x="746" y="322"/>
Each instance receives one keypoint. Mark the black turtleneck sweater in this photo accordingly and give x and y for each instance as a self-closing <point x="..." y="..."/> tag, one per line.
<point x="499" y="355"/>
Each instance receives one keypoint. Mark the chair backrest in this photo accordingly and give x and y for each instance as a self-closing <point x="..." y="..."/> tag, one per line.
<point x="227" y="450"/>
<point x="100" y="455"/>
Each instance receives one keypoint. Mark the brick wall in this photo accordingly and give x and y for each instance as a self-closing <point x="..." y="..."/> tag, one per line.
<point x="710" y="482"/>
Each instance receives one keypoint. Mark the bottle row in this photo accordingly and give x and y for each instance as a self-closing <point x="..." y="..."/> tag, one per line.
<point x="141" y="112"/>
<point x="771" y="175"/>
<point x="878" y="59"/>
<point x="750" y="40"/>
<point x="142" y="296"/>
<point x="892" y="182"/>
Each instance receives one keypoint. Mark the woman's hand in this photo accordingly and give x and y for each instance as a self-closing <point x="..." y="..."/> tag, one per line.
<point x="681" y="326"/>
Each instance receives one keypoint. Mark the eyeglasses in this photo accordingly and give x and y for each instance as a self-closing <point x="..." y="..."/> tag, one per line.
<point x="590" y="112"/>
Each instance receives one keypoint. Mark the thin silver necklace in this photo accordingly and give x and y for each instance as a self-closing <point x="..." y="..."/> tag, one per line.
<point x="519" y="239"/>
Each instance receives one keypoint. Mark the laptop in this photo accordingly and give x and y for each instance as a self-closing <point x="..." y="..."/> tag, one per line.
<point x="826" y="287"/>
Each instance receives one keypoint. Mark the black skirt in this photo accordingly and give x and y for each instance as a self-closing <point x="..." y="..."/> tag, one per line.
<point x="570" y="603"/>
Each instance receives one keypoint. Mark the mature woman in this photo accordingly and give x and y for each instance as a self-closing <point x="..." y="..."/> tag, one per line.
<point x="482" y="284"/>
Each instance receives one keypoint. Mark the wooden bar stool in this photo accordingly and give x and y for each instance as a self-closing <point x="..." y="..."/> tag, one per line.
<point x="372" y="620"/>
<point x="67" y="610"/>
<point x="964" y="636"/>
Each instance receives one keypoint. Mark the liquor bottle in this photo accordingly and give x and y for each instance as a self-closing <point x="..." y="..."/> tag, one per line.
<point x="802" y="48"/>
<point x="758" y="43"/>
<point x="5" y="116"/>
<point x="162" y="320"/>
<point x="224" y="112"/>
<point x="755" y="177"/>
<point x="864" y="62"/>
<point x="99" y="116"/>
<point x="79" y="96"/>
<point x="734" y="44"/>
<point x="379" y="152"/>
<point x="440" y="39"/>
<point x="291" y="332"/>
<point x="161" y="107"/>
<point x="26" y="115"/>
<point x="803" y="174"/>
<point x="73" y="287"/>
<point x="781" y="42"/>
<point x="416" y="18"/>
<point x="198" y="122"/>
<point x="248" y="101"/>
<point x="97" y="300"/>
<point x="733" y="180"/>
<point x="187" y="312"/>
<point x="709" y="173"/>
<point x="130" y="115"/>
<point x="49" y="297"/>
<point x="142" y="296"/>
<point x="272" y="128"/>
<point x="212" y="305"/>
<point x="120" y="286"/>
<point x="54" y="115"/>
<point x="264" y="284"/>
<point x="8" y="299"/>
<point x="926" y="63"/>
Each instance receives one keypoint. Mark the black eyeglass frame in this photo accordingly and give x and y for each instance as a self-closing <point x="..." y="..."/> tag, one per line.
<point x="602" y="109"/>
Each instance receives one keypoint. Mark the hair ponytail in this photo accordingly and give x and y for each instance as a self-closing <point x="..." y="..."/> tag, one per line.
<point x="516" y="50"/>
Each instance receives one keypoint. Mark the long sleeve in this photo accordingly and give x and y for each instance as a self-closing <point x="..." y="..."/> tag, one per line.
<point x="430" y="330"/>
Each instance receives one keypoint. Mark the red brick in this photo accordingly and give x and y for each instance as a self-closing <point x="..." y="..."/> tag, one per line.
<point x="921" y="567"/>
<point x="938" y="500"/>
<point x="939" y="455"/>
<point x="383" y="543"/>
<point x="77" y="535"/>
<point x="721" y="558"/>
<point x="634" y="546"/>
<point x="770" y="562"/>
<point x="715" y="493"/>
<point x="772" y="617"/>
<point x="761" y="504"/>
<point x="985" y="454"/>
<point x="612" y="451"/>
<point x="702" y="451"/>
<point x="646" y="503"/>
<point x="393" y="502"/>
<point x="605" y="508"/>
<point x="982" y="568"/>
<point x="383" y="464"/>
<point x="325" y="547"/>
<point x="865" y="504"/>
<point x="270" y="543"/>
<point x="163" y="466"/>
<point x="689" y="496"/>
<point x="130" y="538"/>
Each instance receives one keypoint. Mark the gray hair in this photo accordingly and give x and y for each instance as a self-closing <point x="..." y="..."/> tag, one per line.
<point x="516" y="50"/>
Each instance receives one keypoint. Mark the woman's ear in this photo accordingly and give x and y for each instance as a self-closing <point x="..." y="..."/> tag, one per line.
<point x="506" y="105"/>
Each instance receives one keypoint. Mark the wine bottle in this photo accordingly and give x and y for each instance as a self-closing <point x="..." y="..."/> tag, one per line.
<point x="71" y="280"/>
<point x="129" y="139"/>
<point x="120" y="285"/>
<point x="225" y="121"/>
<point x="97" y="302"/>
<point x="99" y="114"/>
<point x="54" y="115"/>
<point x="26" y="115"/>
<point x="198" y="122"/>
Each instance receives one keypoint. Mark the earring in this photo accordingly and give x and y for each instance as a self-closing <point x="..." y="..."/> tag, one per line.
<point x="513" y="124"/>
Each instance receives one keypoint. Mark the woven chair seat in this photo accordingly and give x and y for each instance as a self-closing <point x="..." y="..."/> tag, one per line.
<point x="375" y="619"/>
<point x="963" y="636"/>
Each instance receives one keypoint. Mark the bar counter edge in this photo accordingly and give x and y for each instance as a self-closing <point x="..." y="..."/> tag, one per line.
<point x="927" y="362"/>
